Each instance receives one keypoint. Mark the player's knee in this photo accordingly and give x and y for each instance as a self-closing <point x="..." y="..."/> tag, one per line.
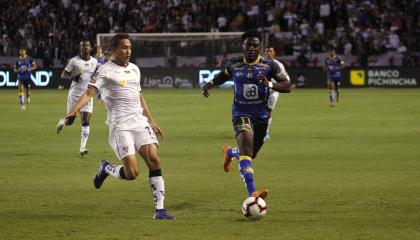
<point x="154" y="162"/>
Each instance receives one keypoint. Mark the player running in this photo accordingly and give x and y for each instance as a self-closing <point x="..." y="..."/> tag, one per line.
<point x="333" y="66"/>
<point x="131" y="126"/>
<point x="24" y="65"/>
<point x="270" y="54"/>
<point x="250" y="112"/>
<point x="79" y="70"/>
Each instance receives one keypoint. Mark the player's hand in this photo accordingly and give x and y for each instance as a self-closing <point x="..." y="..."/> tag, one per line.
<point x="71" y="116"/>
<point x="206" y="88"/>
<point x="157" y="130"/>
<point x="262" y="80"/>
<point x="76" y="78"/>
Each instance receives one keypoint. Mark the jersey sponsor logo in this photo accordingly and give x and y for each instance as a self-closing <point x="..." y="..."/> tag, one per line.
<point x="125" y="148"/>
<point x="127" y="71"/>
<point x="250" y="91"/>
<point x="239" y="74"/>
<point x="122" y="83"/>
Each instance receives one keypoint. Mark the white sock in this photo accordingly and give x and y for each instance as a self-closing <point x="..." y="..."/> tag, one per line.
<point x="114" y="170"/>
<point x="158" y="190"/>
<point x="269" y="124"/>
<point x="84" y="137"/>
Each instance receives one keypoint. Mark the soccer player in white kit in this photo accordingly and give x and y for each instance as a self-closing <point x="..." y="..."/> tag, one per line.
<point x="270" y="54"/>
<point x="131" y="126"/>
<point x="79" y="70"/>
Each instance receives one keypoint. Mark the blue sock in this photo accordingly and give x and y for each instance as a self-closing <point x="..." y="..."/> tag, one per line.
<point x="233" y="152"/>
<point x="247" y="173"/>
<point x="331" y="97"/>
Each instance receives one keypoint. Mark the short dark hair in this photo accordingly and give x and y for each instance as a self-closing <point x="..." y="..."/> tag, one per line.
<point x="84" y="40"/>
<point x="115" y="40"/>
<point x="251" y="33"/>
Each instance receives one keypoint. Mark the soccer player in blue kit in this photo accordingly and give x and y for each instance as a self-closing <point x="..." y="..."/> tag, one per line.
<point x="333" y="66"/>
<point x="24" y="65"/>
<point x="251" y="75"/>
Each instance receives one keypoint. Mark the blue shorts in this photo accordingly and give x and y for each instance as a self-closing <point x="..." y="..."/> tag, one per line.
<point x="26" y="82"/>
<point x="256" y="125"/>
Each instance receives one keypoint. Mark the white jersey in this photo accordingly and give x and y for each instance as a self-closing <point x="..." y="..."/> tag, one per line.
<point x="274" y="95"/>
<point x="282" y="68"/>
<point x="120" y="89"/>
<point x="76" y="66"/>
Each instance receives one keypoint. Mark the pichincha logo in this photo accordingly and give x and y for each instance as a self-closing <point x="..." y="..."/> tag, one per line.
<point x="357" y="77"/>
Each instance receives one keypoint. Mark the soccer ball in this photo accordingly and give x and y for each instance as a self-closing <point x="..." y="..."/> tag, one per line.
<point x="254" y="208"/>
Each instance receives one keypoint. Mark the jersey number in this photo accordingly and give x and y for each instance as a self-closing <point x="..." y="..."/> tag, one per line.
<point x="250" y="91"/>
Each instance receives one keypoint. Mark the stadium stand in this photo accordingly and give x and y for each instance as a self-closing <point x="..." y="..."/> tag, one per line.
<point x="51" y="29"/>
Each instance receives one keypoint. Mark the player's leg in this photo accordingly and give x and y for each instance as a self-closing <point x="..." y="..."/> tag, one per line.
<point x="244" y="139"/>
<point x="28" y="90"/>
<point x="85" y="113"/>
<point x="272" y="100"/>
<point x="71" y="100"/>
<point x="337" y="91"/>
<point x="260" y="129"/>
<point x="147" y="144"/>
<point x="122" y="143"/>
<point x="21" y="89"/>
<point x="157" y="184"/>
<point x="85" y="118"/>
<point x="331" y="92"/>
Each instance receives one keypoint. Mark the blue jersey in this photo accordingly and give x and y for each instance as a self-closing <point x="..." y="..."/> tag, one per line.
<point x="333" y="65"/>
<point x="250" y="96"/>
<point x="23" y="66"/>
<point x="101" y="60"/>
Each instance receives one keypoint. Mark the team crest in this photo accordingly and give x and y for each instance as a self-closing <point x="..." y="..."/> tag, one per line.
<point x="125" y="148"/>
<point x="123" y="83"/>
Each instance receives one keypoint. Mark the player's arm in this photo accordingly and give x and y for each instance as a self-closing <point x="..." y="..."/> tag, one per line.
<point x="146" y="112"/>
<point x="219" y="79"/>
<point x="281" y="77"/>
<point x="70" y="72"/>
<point x="15" y="68"/>
<point x="281" y="85"/>
<point x="342" y="64"/>
<point x="83" y="100"/>
<point x="34" y="66"/>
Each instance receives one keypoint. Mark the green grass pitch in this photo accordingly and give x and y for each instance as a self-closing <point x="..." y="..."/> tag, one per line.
<point x="349" y="172"/>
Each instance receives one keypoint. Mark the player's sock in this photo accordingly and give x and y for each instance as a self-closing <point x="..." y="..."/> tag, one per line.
<point x="157" y="185"/>
<point x="234" y="152"/>
<point x="247" y="173"/>
<point x="21" y="100"/>
<point x="331" y="97"/>
<point x="28" y="96"/>
<point x="116" y="171"/>
<point x="84" y="137"/>
<point x="269" y="124"/>
<point x="337" y="96"/>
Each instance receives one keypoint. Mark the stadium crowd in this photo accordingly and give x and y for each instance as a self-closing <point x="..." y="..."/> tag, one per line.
<point x="52" y="29"/>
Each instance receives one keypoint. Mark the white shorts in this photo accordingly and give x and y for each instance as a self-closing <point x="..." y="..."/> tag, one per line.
<point x="272" y="99"/>
<point x="72" y="100"/>
<point x="127" y="137"/>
